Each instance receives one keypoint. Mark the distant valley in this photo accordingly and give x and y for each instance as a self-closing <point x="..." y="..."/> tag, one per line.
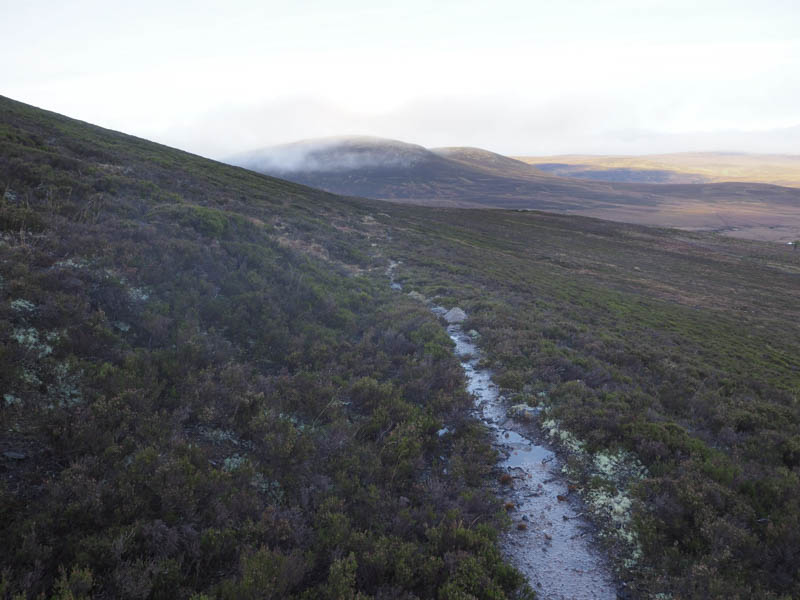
<point x="664" y="195"/>
<point x="679" y="167"/>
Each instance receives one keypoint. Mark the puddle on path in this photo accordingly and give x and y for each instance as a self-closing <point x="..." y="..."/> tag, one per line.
<point x="554" y="549"/>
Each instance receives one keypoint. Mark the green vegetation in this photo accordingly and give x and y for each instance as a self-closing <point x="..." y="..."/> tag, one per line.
<point x="208" y="394"/>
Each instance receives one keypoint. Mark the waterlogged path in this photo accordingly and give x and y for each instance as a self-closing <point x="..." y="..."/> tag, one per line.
<point x="549" y="542"/>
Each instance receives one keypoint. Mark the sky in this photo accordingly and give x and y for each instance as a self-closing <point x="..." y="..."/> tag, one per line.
<point x="521" y="78"/>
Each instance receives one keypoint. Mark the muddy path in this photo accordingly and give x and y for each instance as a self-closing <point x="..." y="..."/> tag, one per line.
<point x="550" y="541"/>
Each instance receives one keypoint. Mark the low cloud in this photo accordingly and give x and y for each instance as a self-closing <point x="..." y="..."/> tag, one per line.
<point x="329" y="155"/>
<point x="575" y="125"/>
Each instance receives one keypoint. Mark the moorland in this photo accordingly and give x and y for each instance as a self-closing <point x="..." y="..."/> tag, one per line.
<point x="678" y="167"/>
<point x="210" y="389"/>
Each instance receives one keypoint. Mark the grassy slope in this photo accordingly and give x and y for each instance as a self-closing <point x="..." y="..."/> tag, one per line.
<point x="679" y="348"/>
<point x="209" y="391"/>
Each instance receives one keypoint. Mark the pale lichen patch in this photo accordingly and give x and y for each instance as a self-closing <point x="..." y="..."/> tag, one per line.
<point x="66" y="391"/>
<point x="72" y="263"/>
<point x="272" y="489"/>
<point x="234" y="463"/>
<point x="222" y="436"/>
<point x="28" y="337"/>
<point x="564" y="438"/>
<point x="612" y="474"/>
<point x="11" y="400"/>
<point x="21" y="305"/>
<point x="139" y="294"/>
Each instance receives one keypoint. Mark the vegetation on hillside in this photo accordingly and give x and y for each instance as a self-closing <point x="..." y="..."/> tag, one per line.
<point x="209" y="389"/>
<point x="207" y="392"/>
<point x="668" y="368"/>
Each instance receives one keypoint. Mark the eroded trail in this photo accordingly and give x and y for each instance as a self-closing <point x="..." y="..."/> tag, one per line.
<point x="550" y="542"/>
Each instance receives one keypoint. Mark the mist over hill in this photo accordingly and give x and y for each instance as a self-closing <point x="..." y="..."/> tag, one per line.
<point x="392" y="170"/>
<point x="335" y="154"/>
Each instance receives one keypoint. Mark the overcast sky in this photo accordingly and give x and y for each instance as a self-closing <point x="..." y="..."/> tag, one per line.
<point x="528" y="77"/>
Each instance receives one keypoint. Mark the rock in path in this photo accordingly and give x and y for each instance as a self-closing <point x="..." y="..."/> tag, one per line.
<point x="455" y="315"/>
<point x="523" y="412"/>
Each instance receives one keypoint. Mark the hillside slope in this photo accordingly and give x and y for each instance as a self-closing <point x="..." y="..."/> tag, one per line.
<point x="666" y="365"/>
<point x="490" y="162"/>
<point x="210" y="391"/>
<point x="470" y="177"/>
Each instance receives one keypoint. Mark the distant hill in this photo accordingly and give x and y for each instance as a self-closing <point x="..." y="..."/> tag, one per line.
<point x="682" y="167"/>
<point x="490" y="162"/>
<point x="618" y="174"/>
<point x="472" y="177"/>
<point x="390" y="169"/>
<point x="329" y="155"/>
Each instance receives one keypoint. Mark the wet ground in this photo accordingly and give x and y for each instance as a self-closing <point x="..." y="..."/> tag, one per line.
<point x="550" y="542"/>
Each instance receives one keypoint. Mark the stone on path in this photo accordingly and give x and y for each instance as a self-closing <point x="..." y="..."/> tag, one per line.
<point x="455" y="315"/>
<point x="523" y="411"/>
